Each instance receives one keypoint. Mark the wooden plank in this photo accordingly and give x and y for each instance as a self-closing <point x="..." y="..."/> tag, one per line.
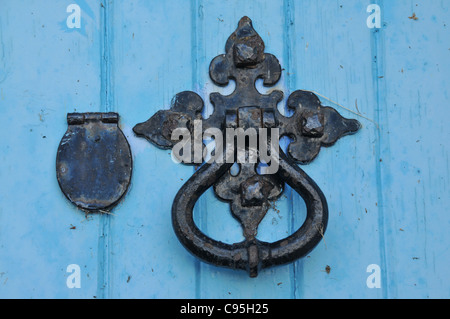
<point x="150" y="50"/>
<point x="414" y="175"/>
<point x="46" y="71"/>
<point x="332" y="57"/>
<point x="215" y="21"/>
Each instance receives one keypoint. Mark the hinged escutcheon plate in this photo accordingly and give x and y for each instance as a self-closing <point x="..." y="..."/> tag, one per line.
<point x="93" y="163"/>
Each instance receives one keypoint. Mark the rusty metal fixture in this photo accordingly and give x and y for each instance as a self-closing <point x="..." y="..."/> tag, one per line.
<point x="93" y="163"/>
<point x="249" y="193"/>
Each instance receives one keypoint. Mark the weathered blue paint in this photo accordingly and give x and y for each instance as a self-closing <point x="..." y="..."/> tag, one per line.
<point x="387" y="186"/>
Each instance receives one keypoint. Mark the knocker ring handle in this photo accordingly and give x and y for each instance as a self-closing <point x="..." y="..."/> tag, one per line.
<point x="250" y="255"/>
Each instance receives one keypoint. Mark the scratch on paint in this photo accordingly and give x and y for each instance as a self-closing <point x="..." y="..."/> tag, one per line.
<point x="356" y="113"/>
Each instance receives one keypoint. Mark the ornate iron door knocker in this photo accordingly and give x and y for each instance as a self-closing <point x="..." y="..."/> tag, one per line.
<point x="93" y="163"/>
<point x="249" y="193"/>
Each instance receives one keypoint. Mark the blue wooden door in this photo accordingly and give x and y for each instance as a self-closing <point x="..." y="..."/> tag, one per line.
<point x="387" y="186"/>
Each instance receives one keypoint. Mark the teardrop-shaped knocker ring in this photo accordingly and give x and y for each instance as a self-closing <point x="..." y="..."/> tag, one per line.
<point x="250" y="254"/>
<point x="248" y="193"/>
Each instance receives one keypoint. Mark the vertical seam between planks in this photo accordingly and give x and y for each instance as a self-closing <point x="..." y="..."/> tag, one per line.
<point x="289" y="47"/>
<point x="106" y="99"/>
<point x="194" y="80"/>
<point x="377" y="65"/>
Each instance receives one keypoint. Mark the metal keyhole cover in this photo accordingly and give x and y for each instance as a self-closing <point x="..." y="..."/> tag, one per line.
<point x="249" y="193"/>
<point x="94" y="162"/>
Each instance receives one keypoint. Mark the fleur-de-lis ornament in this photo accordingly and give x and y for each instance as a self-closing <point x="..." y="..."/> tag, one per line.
<point x="250" y="193"/>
